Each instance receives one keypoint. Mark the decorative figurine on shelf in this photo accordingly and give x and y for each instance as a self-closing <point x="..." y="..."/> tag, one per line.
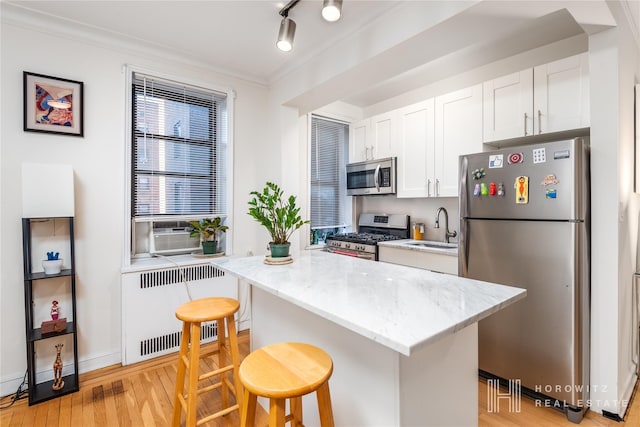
<point x="57" y="370"/>
<point x="55" y="310"/>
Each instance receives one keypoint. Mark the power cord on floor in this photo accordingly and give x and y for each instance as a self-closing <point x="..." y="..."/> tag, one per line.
<point x="21" y="393"/>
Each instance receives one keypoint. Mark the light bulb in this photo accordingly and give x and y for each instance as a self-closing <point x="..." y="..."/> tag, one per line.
<point x="331" y="10"/>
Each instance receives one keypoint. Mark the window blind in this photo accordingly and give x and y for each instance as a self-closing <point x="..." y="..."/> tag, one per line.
<point x="329" y="152"/>
<point x="179" y="149"/>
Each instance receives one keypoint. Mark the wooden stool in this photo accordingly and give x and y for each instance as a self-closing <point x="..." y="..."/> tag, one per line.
<point x="286" y="371"/>
<point x="192" y="315"/>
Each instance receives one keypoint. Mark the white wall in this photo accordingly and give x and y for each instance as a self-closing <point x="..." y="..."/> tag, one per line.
<point x="98" y="161"/>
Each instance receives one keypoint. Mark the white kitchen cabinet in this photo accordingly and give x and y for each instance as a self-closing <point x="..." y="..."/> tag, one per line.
<point x="548" y="98"/>
<point x="360" y="136"/>
<point x="374" y="138"/>
<point x="561" y="95"/>
<point x="458" y="127"/>
<point x="507" y="106"/>
<point x="415" y="153"/>
<point x="439" y="262"/>
<point x="433" y="134"/>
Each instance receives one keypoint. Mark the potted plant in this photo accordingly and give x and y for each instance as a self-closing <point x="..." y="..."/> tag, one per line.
<point x="279" y="215"/>
<point x="208" y="229"/>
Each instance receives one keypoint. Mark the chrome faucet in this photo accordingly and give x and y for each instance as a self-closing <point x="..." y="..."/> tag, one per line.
<point x="447" y="233"/>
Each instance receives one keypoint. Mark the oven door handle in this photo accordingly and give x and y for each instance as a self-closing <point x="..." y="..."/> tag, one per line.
<point x="377" y="180"/>
<point x="338" y="251"/>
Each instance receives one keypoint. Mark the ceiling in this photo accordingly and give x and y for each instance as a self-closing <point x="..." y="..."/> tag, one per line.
<point x="378" y="49"/>
<point x="237" y="37"/>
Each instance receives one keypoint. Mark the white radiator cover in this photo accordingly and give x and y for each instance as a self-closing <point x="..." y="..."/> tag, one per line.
<point x="149" y="302"/>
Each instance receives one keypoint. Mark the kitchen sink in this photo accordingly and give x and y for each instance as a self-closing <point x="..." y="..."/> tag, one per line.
<point x="433" y="244"/>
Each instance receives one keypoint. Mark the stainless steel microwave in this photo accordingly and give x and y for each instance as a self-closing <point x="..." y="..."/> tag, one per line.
<point x="372" y="177"/>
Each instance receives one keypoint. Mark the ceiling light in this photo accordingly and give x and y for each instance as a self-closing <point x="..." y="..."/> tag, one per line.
<point x="331" y="10"/>
<point x="285" y="34"/>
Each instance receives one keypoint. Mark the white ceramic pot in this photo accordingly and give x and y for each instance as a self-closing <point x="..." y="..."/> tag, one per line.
<point x="52" y="266"/>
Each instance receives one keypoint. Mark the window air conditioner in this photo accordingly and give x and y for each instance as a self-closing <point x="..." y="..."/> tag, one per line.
<point x="171" y="241"/>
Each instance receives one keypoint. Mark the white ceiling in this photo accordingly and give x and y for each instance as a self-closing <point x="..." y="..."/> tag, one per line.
<point x="378" y="49"/>
<point x="236" y="36"/>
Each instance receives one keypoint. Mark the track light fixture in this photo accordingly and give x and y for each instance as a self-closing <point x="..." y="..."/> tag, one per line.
<point x="331" y="10"/>
<point x="285" y="34"/>
<point x="287" y="28"/>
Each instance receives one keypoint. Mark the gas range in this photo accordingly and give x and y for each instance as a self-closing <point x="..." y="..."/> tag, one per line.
<point x="372" y="228"/>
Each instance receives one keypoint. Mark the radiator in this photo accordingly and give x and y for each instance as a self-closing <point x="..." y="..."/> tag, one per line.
<point x="149" y="302"/>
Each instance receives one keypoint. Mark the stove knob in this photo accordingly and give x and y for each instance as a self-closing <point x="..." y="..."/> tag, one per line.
<point x="347" y="245"/>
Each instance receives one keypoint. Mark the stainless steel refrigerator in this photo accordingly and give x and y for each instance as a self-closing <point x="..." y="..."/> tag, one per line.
<point x="524" y="221"/>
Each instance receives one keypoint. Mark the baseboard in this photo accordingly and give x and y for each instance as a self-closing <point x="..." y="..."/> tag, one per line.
<point x="10" y="384"/>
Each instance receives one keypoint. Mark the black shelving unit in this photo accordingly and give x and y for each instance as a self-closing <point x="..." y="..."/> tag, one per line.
<point x="41" y="391"/>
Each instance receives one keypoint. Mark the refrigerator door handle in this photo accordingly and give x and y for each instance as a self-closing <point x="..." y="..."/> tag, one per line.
<point x="463" y="200"/>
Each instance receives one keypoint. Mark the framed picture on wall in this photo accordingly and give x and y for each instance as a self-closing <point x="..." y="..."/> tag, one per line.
<point x="53" y="105"/>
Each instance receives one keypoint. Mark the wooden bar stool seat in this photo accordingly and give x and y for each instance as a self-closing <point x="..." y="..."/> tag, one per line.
<point x="286" y="371"/>
<point x="193" y="314"/>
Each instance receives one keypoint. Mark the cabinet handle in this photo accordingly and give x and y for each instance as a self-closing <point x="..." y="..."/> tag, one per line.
<point x="437" y="187"/>
<point x="525" y="124"/>
<point x="429" y="187"/>
<point x="539" y="122"/>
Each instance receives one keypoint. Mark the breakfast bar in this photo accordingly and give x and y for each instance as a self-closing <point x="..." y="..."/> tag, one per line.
<point x="403" y="340"/>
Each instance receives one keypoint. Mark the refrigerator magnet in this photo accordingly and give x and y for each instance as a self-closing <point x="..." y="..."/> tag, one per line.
<point x="522" y="190"/>
<point x="484" y="190"/>
<point x="550" y="194"/>
<point x="493" y="189"/>
<point x="501" y="189"/>
<point x="539" y="155"/>
<point x="495" y="161"/>
<point x="549" y="180"/>
<point x="478" y="174"/>
<point x="515" y="158"/>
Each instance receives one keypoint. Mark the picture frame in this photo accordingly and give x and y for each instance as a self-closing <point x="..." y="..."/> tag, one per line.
<point x="53" y="105"/>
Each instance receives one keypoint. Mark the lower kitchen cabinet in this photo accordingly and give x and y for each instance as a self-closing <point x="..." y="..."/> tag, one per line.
<point x="438" y="262"/>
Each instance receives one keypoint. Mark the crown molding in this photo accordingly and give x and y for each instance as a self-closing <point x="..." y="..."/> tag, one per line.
<point x="29" y="19"/>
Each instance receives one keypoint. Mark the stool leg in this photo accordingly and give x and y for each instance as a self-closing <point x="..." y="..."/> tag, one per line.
<point x="235" y="357"/>
<point x="194" y="369"/>
<point x="324" y="405"/>
<point x="222" y="361"/>
<point x="184" y="349"/>
<point x="248" y="414"/>
<point x="296" y="411"/>
<point x="276" y="412"/>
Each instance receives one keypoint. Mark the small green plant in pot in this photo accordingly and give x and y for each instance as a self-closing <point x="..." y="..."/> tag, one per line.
<point x="278" y="214"/>
<point x="208" y="229"/>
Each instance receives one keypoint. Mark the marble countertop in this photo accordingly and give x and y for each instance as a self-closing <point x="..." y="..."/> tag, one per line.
<point x="403" y="308"/>
<point x="411" y="245"/>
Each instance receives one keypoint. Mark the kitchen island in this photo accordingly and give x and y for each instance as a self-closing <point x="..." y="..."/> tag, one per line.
<point x="403" y="340"/>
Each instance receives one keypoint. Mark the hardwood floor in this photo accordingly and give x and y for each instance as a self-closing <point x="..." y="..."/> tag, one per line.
<point x="141" y="395"/>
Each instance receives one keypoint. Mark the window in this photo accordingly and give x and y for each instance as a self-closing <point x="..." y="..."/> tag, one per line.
<point x="330" y="207"/>
<point x="178" y="153"/>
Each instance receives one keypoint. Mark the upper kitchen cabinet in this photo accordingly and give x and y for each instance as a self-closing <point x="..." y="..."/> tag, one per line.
<point x="374" y="138"/>
<point x="508" y="103"/>
<point x="415" y="154"/>
<point x="433" y="134"/>
<point x="561" y="95"/>
<point x="548" y="98"/>
<point x="458" y="131"/>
